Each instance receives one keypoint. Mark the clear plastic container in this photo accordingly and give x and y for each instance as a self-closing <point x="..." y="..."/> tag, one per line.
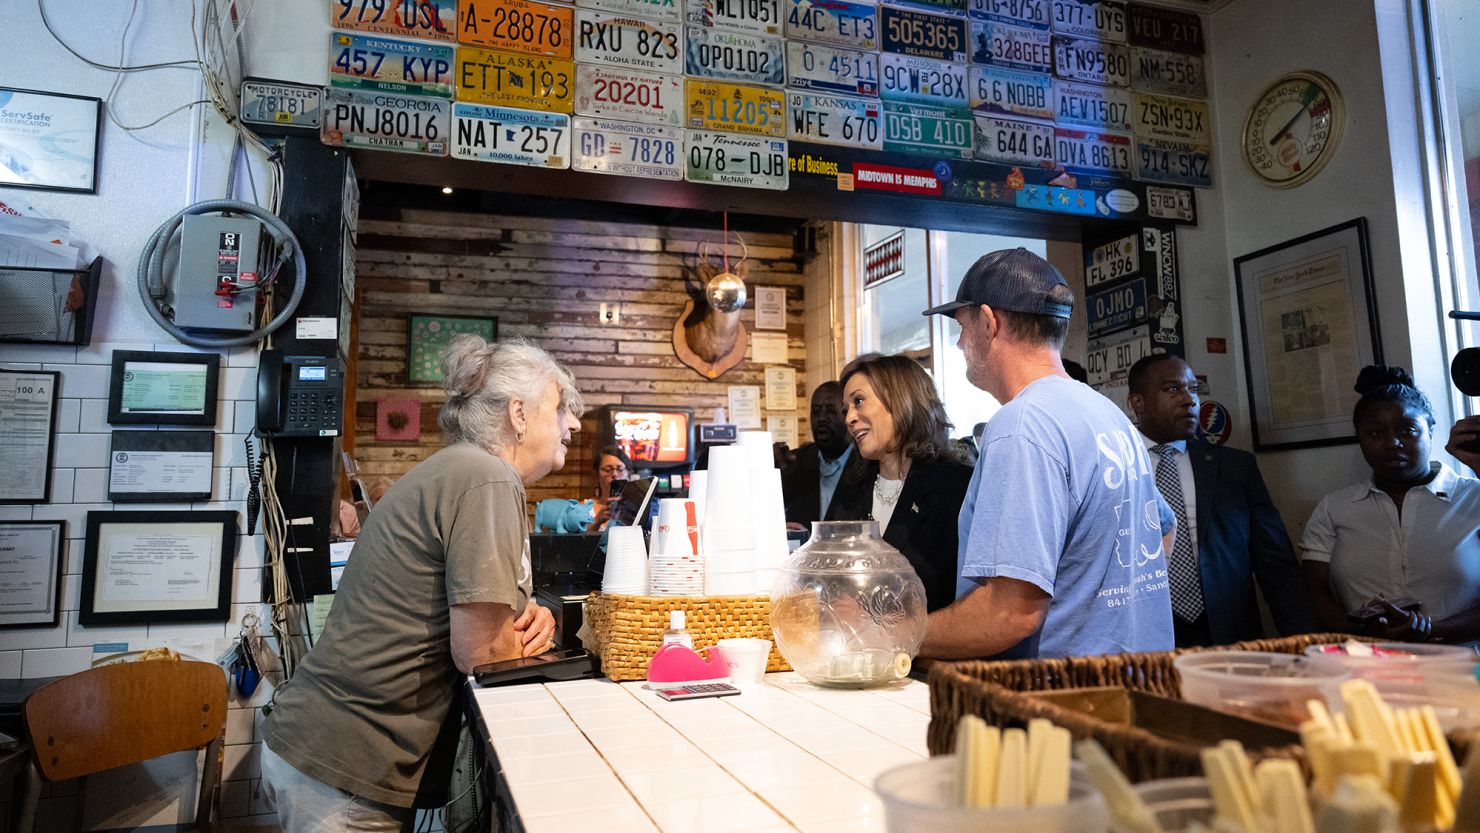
<point x="1411" y="675"/>
<point x="1177" y="803"/>
<point x="1265" y="686"/>
<point x="922" y="797"/>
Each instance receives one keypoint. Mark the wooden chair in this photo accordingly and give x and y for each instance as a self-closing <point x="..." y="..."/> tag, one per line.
<point x="122" y="714"/>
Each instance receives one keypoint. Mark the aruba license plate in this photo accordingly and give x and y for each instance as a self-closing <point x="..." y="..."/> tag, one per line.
<point x="628" y="42"/>
<point x="511" y="79"/>
<point x="286" y="105"/>
<point x="758" y="17"/>
<point x="734" y="56"/>
<point x="1018" y="12"/>
<point x="1015" y="47"/>
<point x="715" y="105"/>
<point x="1172" y="73"/>
<point x="922" y="81"/>
<point x="829" y="69"/>
<point x="1098" y="19"/>
<point x="1094" y="61"/>
<point x="386" y="121"/>
<point x="426" y="19"/>
<point x="517" y="26"/>
<point x="614" y="147"/>
<point x="728" y="159"/>
<point x="1091" y="105"/>
<point x="927" y="131"/>
<point x="510" y="136"/>
<point x="1011" y="93"/>
<point x="1174" y="119"/>
<point x="837" y="22"/>
<point x="1013" y="141"/>
<point x="1083" y="152"/>
<point x="670" y="10"/>
<point x="629" y="95"/>
<point x="924" y="35"/>
<point x="1175" y="163"/>
<point x="367" y="62"/>
<point x="834" y="120"/>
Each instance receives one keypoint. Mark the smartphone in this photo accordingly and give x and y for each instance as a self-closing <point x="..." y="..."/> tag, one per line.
<point x="1368" y="615"/>
<point x="615" y="490"/>
<point x="698" y="690"/>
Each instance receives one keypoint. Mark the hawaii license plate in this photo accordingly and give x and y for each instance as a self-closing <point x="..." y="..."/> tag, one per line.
<point x="837" y="22"/>
<point x="728" y="159"/>
<point x="1013" y="142"/>
<point x="924" y="35"/>
<point x="1098" y="19"/>
<point x="517" y="26"/>
<point x="426" y="19"/>
<point x="1083" y="152"/>
<point x="834" y="120"/>
<point x="1175" y="163"/>
<point x="828" y="69"/>
<point x="758" y="17"/>
<point x="1090" y="60"/>
<point x="1113" y="260"/>
<point x="386" y="121"/>
<point x="1016" y="47"/>
<point x="1174" y="119"/>
<point x="927" y="131"/>
<point x="922" y="81"/>
<point x="511" y="137"/>
<point x="629" y="95"/>
<point x="509" y="79"/>
<point x="1116" y="308"/>
<point x="671" y="10"/>
<point x="1172" y="73"/>
<point x="614" y="147"/>
<point x="1011" y="93"/>
<point x="366" y="62"/>
<point x="714" y="105"/>
<point x="1090" y="105"/>
<point x="628" y="42"/>
<point x="287" y="105"/>
<point x="1019" y="12"/>
<point x="733" y="56"/>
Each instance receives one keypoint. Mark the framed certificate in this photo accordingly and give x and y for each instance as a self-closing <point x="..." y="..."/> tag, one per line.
<point x="157" y="567"/>
<point x="152" y="388"/>
<point x="28" y="405"/>
<point x="49" y="140"/>
<point x="30" y="573"/>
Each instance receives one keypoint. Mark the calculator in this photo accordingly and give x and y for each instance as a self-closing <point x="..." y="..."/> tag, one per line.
<point x="696" y="690"/>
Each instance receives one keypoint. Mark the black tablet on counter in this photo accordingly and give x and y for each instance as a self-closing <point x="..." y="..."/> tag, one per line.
<point x="553" y="666"/>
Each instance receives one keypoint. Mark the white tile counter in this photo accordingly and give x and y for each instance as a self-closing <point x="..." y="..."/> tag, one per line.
<point x="593" y="755"/>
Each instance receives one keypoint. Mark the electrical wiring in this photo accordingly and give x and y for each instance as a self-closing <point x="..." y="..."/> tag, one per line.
<point x="46" y="21"/>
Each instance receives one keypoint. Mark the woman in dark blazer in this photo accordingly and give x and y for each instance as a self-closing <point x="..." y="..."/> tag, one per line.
<point x="912" y="479"/>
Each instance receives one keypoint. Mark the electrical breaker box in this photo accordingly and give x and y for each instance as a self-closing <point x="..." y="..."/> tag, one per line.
<point x="216" y="252"/>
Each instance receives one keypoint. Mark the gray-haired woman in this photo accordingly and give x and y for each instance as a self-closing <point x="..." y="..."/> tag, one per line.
<point x="439" y="583"/>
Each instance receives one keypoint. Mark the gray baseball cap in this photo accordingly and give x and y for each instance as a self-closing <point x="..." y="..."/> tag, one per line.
<point x="1015" y="280"/>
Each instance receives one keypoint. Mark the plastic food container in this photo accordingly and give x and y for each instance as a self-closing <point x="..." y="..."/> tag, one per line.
<point x="1410" y="675"/>
<point x="922" y="797"/>
<point x="1177" y="803"/>
<point x="1268" y="686"/>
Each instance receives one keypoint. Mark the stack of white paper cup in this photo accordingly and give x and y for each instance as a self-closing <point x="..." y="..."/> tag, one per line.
<point x="626" y="561"/>
<point x="675" y="567"/>
<point x="768" y="508"/>
<point x="728" y="532"/>
<point x="698" y="493"/>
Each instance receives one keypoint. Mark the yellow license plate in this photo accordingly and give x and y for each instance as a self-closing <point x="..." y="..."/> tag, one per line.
<point x="517" y="26"/>
<point x="507" y="79"/>
<point x="736" y="108"/>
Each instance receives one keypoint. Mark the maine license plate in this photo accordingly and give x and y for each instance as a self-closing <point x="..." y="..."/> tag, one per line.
<point x="1091" y="60"/>
<point x="1175" y="119"/>
<point x="1020" y="12"/>
<point x="1090" y="105"/>
<point x="924" y="35"/>
<point x="628" y="42"/>
<point x="1017" y="47"/>
<point x="758" y="17"/>
<point x="837" y="22"/>
<point x="733" y="56"/>
<point x="714" y="105"/>
<point x="828" y="69"/>
<point x="1013" y="142"/>
<point x="614" y="147"/>
<point x="834" y="120"/>
<point x="1083" y="152"/>
<point x="510" y="136"/>
<point x="518" y="26"/>
<point x="427" y="19"/>
<point x="509" y="79"/>
<point x="1098" y="19"/>
<point x="1113" y="260"/>
<point x="366" y="62"/>
<point x="922" y="81"/>
<point x="288" y="105"/>
<point x="1172" y="73"/>
<point x="1011" y="93"/>
<point x="927" y="131"/>
<point x="671" y="10"/>
<point x="1111" y="357"/>
<point x="1116" y="308"/>
<point x="728" y="159"/>
<point x="629" y="95"/>
<point x="386" y="121"/>
<point x="1175" y="163"/>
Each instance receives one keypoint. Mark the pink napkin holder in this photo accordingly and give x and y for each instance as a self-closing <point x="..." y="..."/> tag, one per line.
<point x="676" y="664"/>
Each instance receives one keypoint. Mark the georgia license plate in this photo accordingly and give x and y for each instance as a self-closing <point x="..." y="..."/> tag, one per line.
<point x="1013" y="142"/>
<point x="1098" y="19"/>
<point x="728" y="159"/>
<point x="1017" y="47"/>
<point x="614" y="147"/>
<point x="511" y="137"/>
<point x="927" y="131"/>
<point x="1020" y="12"/>
<point x="758" y="17"/>
<point x="1176" y="163"/>
<point x="365" y="62"/>
<point x="1090" y="105"/>
<point x="1172" y="73"/>
<point x="629" y="95"/>
<point x="924" y="35"/>
<point x="1174" y="119"/>
<point x="386" y="121"/>
<point x="1165" y="29"/>
<point x="714" y="105"/>
<point x="426" y="19"/>
<point x="828" y="69"/>
<point x="1111" y="357"/>
<point x="833" y="21"/>
<point x="628" y="42"/>
<point x="922" y="81"/>
<point x="834" y="120"/>
<point x="509" y="79"/>
<point x="732" y="56"/>
<point x="290" y="105"/>
<point x="1011" y="93"/>
<point x="517" y="26"/>
<point x="1093" y="61"/>
<point x="670" y="10"/>
<point x="1083" y="152"/>
<point x="1113" y="260"/>
<point x="1116" y="308"/>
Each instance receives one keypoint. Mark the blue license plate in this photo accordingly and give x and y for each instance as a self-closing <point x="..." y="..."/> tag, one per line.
<point x="837" y="22"/>
<point x="924" y="35"/>
<point x="828" y="69"/>
<point x="1015" y="47"/>
<point x="927" y="131"/>
<point x="922" y="81"/>
<point x="1177" y="163"/>
<point x="367" y="62"/>
<point x="1116" y="308"/>
<point x="1011" y="93"/>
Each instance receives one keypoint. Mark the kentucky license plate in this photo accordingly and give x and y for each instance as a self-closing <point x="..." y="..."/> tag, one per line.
<point x="834" y="120"/>
<point x="427" y="19"/>
<point x="1011" y="93"/>
<point x="837" y="22"/>
<point x="727" y="159"/>
<point x="1093" y="61"/>
<point x="509" y="79"/>
<point x="923" y="35"/>
<point x="1090" y="105"/>
<point x="670" y="10"/>
<point x="1098" y="19"/>
<point x="287" y="105"/>
<point x="1019" y="12"/>
<point x="927" y="131"/>
<point x="517" y="26"/>
<point x="922" y="81"/>
<point x="827" y="69"/>
<point x="732" y="56"/>
<point x="628" y="42"/>
<point x="1176" y="163"/>
<point x="712" y="105"/>
<point x="614" y="147"/>
<point x="1013" y="142"/>
<point x="1015" y="47"/>
<point x="1116" y="308"/>
<point x="758" y="17"/>
<point x="365" y="62"/>
<point x="629" y="95"/>
<point x="386" y="121"/>
<point x="511" y="137"/>
<point x="1174" y="119"/>
<point x="1172" y="73"/>
<point x="1083" y="152"/>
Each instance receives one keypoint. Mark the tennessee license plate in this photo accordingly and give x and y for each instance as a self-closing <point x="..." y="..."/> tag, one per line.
<point x="758" y="17"/>
<point x="426" y="19"/>
<point x="1165" y="29"/>
<point x="1090" y="105"/>
<point x="517" y="26"/>
<point x="1015" y="47"/>
<point x="924" y="35"/>
<point x="511" y="137"/>
<point x="629" y="95"/>
<point x="922" y="81"/>
<point x="834" y="120"/>
<point x="290" y="105"/>
<point x="1083" y="152"/>
<point x="629" y="43"/>
<point x="714" y="105"/>
<point x="1175" y="163"/>
<point x="386" y="121"/>
<point x="614" y="147"/>
<point x="1093" y="61"/>
<point x="670" y="10"/>
<point x="1019" y="12"/>
<point x="1098" y="19"/>
<point x="1112" y="261"/>
<point x="366" y="62"/>
<point x="1011" y="93"/>
<point x="509" y="79"/>
<point x="1174" y="119"/>
<point x="1172" y="73"/>
<point x="927" y="131"/>
<point x="836" y="22"/>
<point x="733" y="56"/>
<point x="828" y="69"/>
<point x="1111" y="357"/>
<point x="728" y="159"/>
<point x="1013" y="142"/>
<point x="1116" y="308"/>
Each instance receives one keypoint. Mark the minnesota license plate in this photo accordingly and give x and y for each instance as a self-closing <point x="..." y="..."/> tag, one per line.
<point x="386" y="121"/>
<point x="1098" y="19"/>
<point x="1019" y="12"/>
<point x="1175" y="119"/>
<point x="517" y="26"/>
<point x="1116" y="308"/>
<point x="924" y="35"/>
<point x="511" y="137"/>
<point x="834" y="120"/>
<point x="728" y="159"/>
<point x="828" y="69"/>
<point x="1111" y="357"/>
<point x="366" y="62"/>
<point x="1083" y="152"/>
<point x="837" y="22"/>
<point x="1172" y="73"/>
<point x="671" y="10"/>
<point x="614" y="147"/>
<point x="288" y="105"/>
<point x="733" y="56"/>
<point x="426" y="19"/>
<point x="1013" y="142"/>
<point x="714" y="105"/>
<point x="1113" y="260"/>
<point x="1090" y="105"/>
<point x="1011" y="93"/>
<point x="1165" y="29"/>
<point x="629" y="95"/>
<point x="509" y="79"/>
<point x="1175" y="163"/>
<point x="1090" y="60"/>
<point x="927" y="131"/>
<point x="758" y="17"/>
<point x="1015" y="47"/>
<point x="628" y="42"/>
<point x="922" y="81"/>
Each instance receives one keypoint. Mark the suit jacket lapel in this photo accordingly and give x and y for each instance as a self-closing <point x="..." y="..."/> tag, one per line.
<point x="914" y="503"/>
<point x="1204" y="478"/>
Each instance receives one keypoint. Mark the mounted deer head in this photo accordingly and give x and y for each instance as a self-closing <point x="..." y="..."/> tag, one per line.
<point x="708" y="335"/>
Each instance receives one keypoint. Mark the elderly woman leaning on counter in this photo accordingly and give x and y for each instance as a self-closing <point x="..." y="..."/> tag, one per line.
<point x="441" y="584"/>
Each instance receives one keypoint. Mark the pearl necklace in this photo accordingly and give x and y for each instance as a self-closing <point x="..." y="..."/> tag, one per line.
<point x="887" y="497"/>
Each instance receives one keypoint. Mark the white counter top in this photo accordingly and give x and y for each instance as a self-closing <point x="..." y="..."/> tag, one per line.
<point x="786" y="756"/>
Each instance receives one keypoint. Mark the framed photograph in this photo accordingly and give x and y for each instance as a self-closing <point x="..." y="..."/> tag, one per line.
<point x="150" y="388"/>
<point x="157" y="567"/>
<point x="427" y="337"/>
<point x="49" y="140"/>
<point x="28" y="407"/>
<point x="31" y="573"/>
<point x="1309" y="321"/>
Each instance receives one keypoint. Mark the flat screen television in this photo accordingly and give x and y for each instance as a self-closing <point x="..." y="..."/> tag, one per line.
<point x="652" y="437"/>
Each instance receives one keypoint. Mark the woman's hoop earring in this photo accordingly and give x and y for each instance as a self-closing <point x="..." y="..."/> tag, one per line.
<point x="519" y="437"/>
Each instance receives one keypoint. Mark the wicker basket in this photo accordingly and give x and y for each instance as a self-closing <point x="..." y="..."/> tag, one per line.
<point x="627" y="630"/>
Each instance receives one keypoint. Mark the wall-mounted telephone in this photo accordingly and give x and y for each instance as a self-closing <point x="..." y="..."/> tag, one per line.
<point x="299" y="396"/>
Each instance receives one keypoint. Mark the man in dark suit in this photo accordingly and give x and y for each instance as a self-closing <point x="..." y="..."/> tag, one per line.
<point x="1229" y="534"/>
<point x="808" y="482"/>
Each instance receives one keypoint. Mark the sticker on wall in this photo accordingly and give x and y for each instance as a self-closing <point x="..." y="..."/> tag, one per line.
<point x="398" y="420"/>
<point x="1217" y="345"/>
<point x="1214" y="423"/>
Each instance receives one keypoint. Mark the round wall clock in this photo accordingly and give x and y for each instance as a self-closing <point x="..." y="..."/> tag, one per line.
<point x="1293" y="129"/>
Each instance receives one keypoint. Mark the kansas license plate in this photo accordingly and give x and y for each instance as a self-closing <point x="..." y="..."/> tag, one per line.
<point x="1019" y="12"/>
<point x="671" y="10"/>
<point x="629" y="95"/>
<point x="734" y="56"/>
<point x="758" y="17"/>
<point x="1176" y="163"/>
<point x="1090" y="105"/>
<point x="517" y="26"/>
<point x="728" y="159"/>
<point x="1172" y="73"/>
<point x="922" y="81"/>
<point x="1011" y="93"/>
<point x="837" y="22"/>
<point x="1091" y="60"/>
<point x="1175" y="119"/>
<point x="628" y="42"/>
<point x="1013" y="142"/>
<point x="1084" y="152"/>
<point x="1116" y="308"/>
<point x="511" y="137"/>
<point x="287" y="105"/>
<point x="614" y="147"/>
<point x="426" y="19"/>
<point x="924" y="35"/>
<point x="714" y="105"/>
<point x="1165" y="29"/>
<point x="367" y="62"/>
<point x="509" y="79"/>
<point x="927" y="131"/>
<point x="834" y="120"/>
<point x="1015" y="47"/>
<point x="1098" y="19"/>
<point x="1113" y="260"/>
<point x="386" y="121"/>
<point x="1111" y="357"/>
<point x="829" y="69"/>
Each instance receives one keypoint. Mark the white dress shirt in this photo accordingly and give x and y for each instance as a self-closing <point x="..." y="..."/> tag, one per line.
<point x="1184" y="475"/>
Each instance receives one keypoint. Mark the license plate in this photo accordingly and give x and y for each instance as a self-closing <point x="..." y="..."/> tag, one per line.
<point x="834" y="120"/>
<point x="1013" y="142"/>
<point x="426" y="19"/>
<point x="1175" y="119"/>
<point x="728" y="159"/>
<point x="1176" y="163"/>
<point x="289" y="105"/>
<point x="511" y="137"/>
<point x="1083" y="152"/>
<point x="1015" y="47"/>
<point x="922" y="81"/>
<point x="1116" y="308"/>
<point x="1165" y="29"/>
<point x="1113" y="260"/>
<point x="670" y="10"/>
<point x="509" y="79"/>
<point x="1098" y="19"/>
<point x="614" y="147"/>
<point x="1093" y="61"/>
<point x="1172" y="73"/>
<point x="924" y="35"/>
<point x="517" y="26"/>
<point x="837" y="22"/>
<point x="1170" y="204"/>
<point x="714" y="105"/>
<point x="927" y="131"/>
<point x="732" y="56"/>
<point x="1020" y="12"/>
<point x="1011" y="93"/>
<point x="1111" y="357"/>
<point x="758" y="17"/>
<point x="828" y="69"/>
<point x="386" y="121"/>
<point x="629" y="95"/>
<point x="628" y="42"/>
<point x="1090" y="105"/>
<point x="955" y="8"/>
<point x="366" y="62"/>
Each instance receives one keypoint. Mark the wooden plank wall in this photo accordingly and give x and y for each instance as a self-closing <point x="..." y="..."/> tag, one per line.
<point x="544" y="279"/>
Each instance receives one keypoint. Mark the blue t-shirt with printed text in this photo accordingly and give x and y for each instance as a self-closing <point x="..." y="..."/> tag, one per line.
<point x="1064" y="497"/>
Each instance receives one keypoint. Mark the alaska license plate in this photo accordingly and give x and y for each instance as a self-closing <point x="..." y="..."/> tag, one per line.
<point x="1113" y="261"/>
<point x="1098" y="19"/>
<point x="1084" y="152"/>
<point x="1019" y="12"/>
<point x="1091" y="105"/>
<point x="367" y="62"/>
<point x="923" y="35"/>
<point x="386" y="121"/>
<point x="517" y="26"/>
<point x="734" y="56"/>
<point x="1165" y="29"/>
<point x="1116" y="308"/>
<point x="1171" y="73"/>
<point x="837" y="22"/>
<point x="1175" y="163"/>
<point x="1013" y="142"/>
<point x="510" y="136"/>
<point x="614" y="147"/>
<point x="1090" y="60"/>
<point x="1111" y="357"/>
<point x="510" y="79"/>
<point x="1011" y="93"/>
<point x="628" y="42"/>
<point x="1174" y="119"/>
<point x="922" y="81"/>
<point x="629" y="95"/>
<point x="758" y="17"/>
<point x="670" y="10"/>
<point x="832" y="70"/>
<point x="426" y="19"/>
<point x="927" y="131"/>
<point x="1016" y="47"/>
<point x="728" y="159"/>
<point x="715" y="105"/>
<point x="834" y="120"/>
<point x="285" y="105"/>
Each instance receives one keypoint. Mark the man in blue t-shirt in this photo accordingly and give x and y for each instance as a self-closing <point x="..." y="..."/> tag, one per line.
<point x="1063" y="533"/>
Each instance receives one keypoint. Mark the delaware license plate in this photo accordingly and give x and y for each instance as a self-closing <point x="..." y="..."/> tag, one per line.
<point x="923" y="35"/>
<point x="1165" y="29"/>
<point x="511" y="137"/>
<point x="1019" y="12"/>
<point x="629" y="95"/>
<point x="1112" y="261"/>
<point x="670" y="10"/>
<point x="1111" y="357"/>
<point x="758" y="17"/>
<point x="366" y="62"/>
<point x="1174" y="119"/>
<point x="927" y="131"/>
<point x="838" y="22"/>
<point x="827" y="69"/>
<point x="509" y="79"/>
<point x="1013" y="142"/>
<point x="386" y="121"/>
<point x="1176" y="163"/>
<point x="1172" y="73"/>
<point x="922" y="81"/>
<point x="426" y="19"/>
<point x="834" y="120"/>
<point x="727" y="159"/>
<point x="517" y="26"/>
<point x="1015" y="47"/>
<point x="1011" y="93"/>
<point x="1093" y="61"/>
<point x="1090" y="105"/>
<point x="732" y="56"/>
<point x="614" y="147"/>
<point x="289" y="105"/>
<point x="1083" y="152"/>
<point x="1097" y="19"/>
<point x="1117" y="308"/>
<point x="713" y="105"/>
<point x="628" y="42"/>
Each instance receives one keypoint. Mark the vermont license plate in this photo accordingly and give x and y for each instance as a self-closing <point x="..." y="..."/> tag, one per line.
<point x="834" y="120"/>
<point x="366" y="62"/>
<point x="924" y="35"/>
<point x="1113" y="260"/>
<point x="426" y="19"/>
<point x="1019" y="12"/>
<point x="628" y="42"/>
<point x="1091" y="105"/>
<point x="517" y="26"/>
<point x="922" y="81"/>
<point x="386" y="121"/>
<point x="1176" y="163"/>
<point x="837" y="22"/>
<point x="1172" y="73"/>
<point x="671" y="10"/>
<point x="511" y="137"/>
<point x="733" y="56"/>
<point x="629" y="95"/>
<point x="1011" y="93"/>
<point x="1015" y="47"/>
<point x="728" y="159"/>
<point x="1013" y="142"/>
<point x="1098" y="19"/>
<point x="758" y="17"/>
<point x="1174" y="119"/>
<point x="1090" y="60"/>
<point x="714" y="105"/>
<point x="829" y="69"/>
<point x="1083" y="152"/>
<point x="287" y="105"/>
<point x="614" y="147"/>
<point x="1116" y="308"/>
<point x="509" y="79"/>
<point x="927" y="131"/>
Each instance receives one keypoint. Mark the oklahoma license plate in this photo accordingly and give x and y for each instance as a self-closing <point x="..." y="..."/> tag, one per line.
<point x="758" y="17"/>
<point x="1174" y="119"/>
<point x="386" y="121"/>
<point x="1011" y="93"/>
<point x="714" y="105"/>
<point x="828" y="69"/>
<point x="287" y="105"/>
<point x="517" y="26"/>
<point x="927" y="131"/>
<point x="511" y="137"/>
<point x="628" y="42"/>
<point x="1176" y="163"/>
<point x="1090" y="105"/>
<point x="509" y="79"/>
<point x="922" y="81"/>
<point x="427" y="19"/>
<point x="614" y="147"/>
<point x="1098" y="19"/>
<point x="834" y="120"/>
<point x="833" y="21"/>
<point x="733" y="56"/>
<point x="629" y="95"/>
<point x="1172" y="73"/>
<point x="1083" y="152"/>
<point x="1013" y="142"/>
<point x="1093" y="61"/>
<point x="1016" y="47"/>
<point x="1019" y="12"/>
<point x="366" y="62"/>
<point x="924" y="35"/>
<point x="728" y="159"/>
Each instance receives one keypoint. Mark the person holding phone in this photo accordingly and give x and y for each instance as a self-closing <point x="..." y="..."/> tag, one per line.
<point x="612" y="470"/>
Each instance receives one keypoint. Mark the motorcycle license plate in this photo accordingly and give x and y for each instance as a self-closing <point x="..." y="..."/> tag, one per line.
<point x="628" y="42"/>
<point x="1092" y="61"/>
<point x="1013" y="142"/>
<point x="924" y="35"/>
<point x="290" y="105"/>
<point x="510" y="136"/>
<point x="425" y="19"/>
<point x="827" y="69"/>
<point x="629" y="95"/>
<point x="758" y="17"/>
<point x="613" y="147"/>
<point x="367" y="62"/>
<point x="386" y="121"/>
<point x="922" y="81"/>
<point x="714" y="105"/>
<point x="1083" y="152"/>
<point x="1090" y="105"/>
<point x="728" y="159"/>
<point x="837" y="22"/>
<point x="834" y="120"/>
<point x="509" y="79"/>
<point x="1011" y="93"/>
<point x="1015" y="47"/>
<point x="927" y="131"/>
<point x="733" y="56"/>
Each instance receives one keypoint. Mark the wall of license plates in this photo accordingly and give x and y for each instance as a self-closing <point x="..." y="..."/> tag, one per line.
<point x="713" y="91"/>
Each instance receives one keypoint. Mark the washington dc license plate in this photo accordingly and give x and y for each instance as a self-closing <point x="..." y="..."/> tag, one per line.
<point x="386" y="121"/>
<point x="614" y="147"/>
<point x="810" y="66"/>
<point x="366" y="62"/>
<point x="728" y="159"/>
<point x="510" y="136"/>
